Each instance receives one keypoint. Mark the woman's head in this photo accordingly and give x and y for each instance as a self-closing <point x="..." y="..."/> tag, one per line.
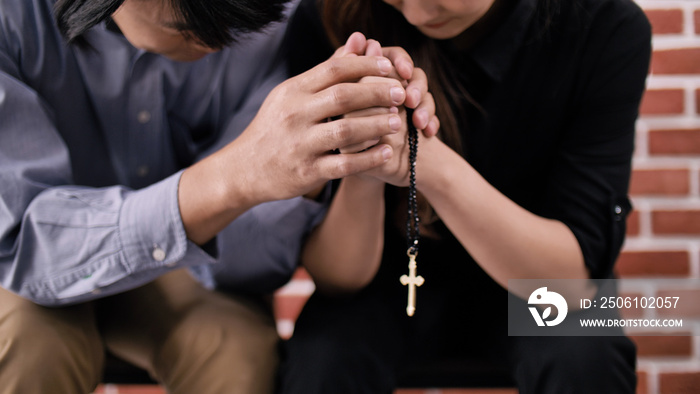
<point x="441" y="19"/>
<point x="161" y="25"/>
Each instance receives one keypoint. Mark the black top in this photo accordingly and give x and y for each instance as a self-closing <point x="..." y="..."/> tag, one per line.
<point x="556" y="130"/>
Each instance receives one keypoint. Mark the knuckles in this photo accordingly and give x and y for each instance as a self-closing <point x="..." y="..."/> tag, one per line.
<point x="340" y="131"/>
<point x="333" y="68"/>
<point x="341" y="95"/>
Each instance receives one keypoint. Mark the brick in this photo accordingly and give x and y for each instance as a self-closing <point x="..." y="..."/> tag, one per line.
<point x="642" y="384"/>
<point x="289" y="306"/>
<point x="663" y="346"/>
<point x="660" y="182"/>
<point x="653" y="263"/>
<point x="679" y="382"/>
<point x="676" y="61"/>
<point x="663" y="102"/>
<point x="676" y="222"/>
<point x="674" y="142"/>
<point x="300" y="274"/>
<point x="687" y="305"/>
<point x="696" y="17"/>
<point x="697" y="101"/>
<point x="666" y="21"/>
<point x="633" y="223"/>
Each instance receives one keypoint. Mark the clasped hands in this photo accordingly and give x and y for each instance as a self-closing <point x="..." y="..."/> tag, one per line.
<point x="414" y="82"/>
<point x="287" y="150"/>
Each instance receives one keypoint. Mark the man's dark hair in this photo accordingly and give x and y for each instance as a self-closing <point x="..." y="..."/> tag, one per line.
<point x="214" y="23"/>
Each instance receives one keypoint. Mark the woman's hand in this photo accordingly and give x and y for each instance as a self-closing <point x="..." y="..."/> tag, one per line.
<point x="414" y="79"/>
<point x="396" y="170"/>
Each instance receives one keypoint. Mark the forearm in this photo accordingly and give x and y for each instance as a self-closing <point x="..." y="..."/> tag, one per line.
<point x="506" y="240"/>
<point x="76" y="244"/>
<point x="344" y="252"/>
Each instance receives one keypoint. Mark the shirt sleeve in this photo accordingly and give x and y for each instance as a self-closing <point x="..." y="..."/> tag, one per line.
<point x="63" y="244"/>
<point x="589" y="185"/>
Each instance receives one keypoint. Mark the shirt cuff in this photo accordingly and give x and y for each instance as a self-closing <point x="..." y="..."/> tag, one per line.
<point x="151" y="229"/>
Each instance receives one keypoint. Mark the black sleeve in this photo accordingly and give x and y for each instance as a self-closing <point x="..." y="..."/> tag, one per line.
<point x="588" y="189"/>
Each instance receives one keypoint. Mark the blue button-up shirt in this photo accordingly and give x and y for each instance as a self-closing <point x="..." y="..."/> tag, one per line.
<point x="93" y="139"/>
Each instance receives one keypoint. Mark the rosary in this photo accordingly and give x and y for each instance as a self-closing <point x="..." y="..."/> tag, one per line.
<point x="412" y="223"/>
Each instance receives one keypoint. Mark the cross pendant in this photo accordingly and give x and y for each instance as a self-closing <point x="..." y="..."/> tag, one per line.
<point x="412" y="281"/>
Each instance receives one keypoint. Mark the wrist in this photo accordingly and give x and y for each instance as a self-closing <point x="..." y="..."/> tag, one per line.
<point x="208" y="199"/>
<point x="363" y="183"/>
<point x="433" y="165"/>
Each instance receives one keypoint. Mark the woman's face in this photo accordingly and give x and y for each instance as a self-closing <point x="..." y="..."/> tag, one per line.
<point x="151" y="25"/>
<point x="441" y="19"/>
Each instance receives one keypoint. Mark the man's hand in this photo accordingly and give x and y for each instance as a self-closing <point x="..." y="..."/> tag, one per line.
<point x="287" y="150"/>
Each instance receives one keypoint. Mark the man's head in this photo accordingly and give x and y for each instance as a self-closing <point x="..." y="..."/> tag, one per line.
<point x="178" y="29"/>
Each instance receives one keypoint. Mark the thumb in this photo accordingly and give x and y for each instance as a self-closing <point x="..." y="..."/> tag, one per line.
<point x="355" y="45"/>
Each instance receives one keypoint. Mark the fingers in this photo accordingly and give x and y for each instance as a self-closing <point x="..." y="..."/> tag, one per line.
<point x="359" y="147"/>
<point x="366" y="113"/>
<point x="401" y="60"/>
<point x="417" y="88"/>
<point x="355" y="45"/>
<point x="418" y="97"/>
<point x="342" y="69"/>
<point x="433" y="127"/>
<point x="424" y="113"/>
<point x="373" y="48"/>
<point x="354" y="131"/>
<point x="348" y="97"/>
<point x="342" y="165"/>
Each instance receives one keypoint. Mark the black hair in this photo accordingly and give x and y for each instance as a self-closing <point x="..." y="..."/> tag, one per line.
<point x="214" y="23"/>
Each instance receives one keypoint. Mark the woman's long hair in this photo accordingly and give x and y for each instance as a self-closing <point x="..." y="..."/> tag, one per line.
<point x="382" y="22"/>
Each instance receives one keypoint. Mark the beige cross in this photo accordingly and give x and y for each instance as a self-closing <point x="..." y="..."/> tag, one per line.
<point x="412" y="281"/>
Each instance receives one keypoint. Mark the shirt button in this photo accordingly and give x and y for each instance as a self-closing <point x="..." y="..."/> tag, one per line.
<point x="142" y="171"/>
<point x="158" y="254"/>
<point x="143" y="117"/>
<point x="618" y="213"/>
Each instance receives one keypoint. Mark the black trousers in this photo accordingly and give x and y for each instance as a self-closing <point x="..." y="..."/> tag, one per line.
<point x="365" y="343"/>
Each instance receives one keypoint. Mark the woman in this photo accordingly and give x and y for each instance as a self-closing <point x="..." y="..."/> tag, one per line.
<point x="538" y="101"/>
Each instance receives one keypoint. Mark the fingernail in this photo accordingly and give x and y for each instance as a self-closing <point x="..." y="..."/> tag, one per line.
<point x="398" y="95"/>
<point x="384" y="65"/>
<point x="394" y="110"/>
<point x="386" y="153"/>
<point x="394" y="122"/>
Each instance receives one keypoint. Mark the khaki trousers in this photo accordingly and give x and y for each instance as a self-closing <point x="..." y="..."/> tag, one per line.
<point x="193" y="340"/>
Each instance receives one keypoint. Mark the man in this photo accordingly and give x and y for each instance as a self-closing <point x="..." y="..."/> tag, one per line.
<point x="106" y="111"/>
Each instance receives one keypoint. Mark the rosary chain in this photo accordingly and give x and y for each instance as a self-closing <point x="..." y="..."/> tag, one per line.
<point x="412" y="220"/>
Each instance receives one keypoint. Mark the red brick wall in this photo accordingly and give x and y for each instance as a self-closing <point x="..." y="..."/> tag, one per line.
<point x="664" y="230"/>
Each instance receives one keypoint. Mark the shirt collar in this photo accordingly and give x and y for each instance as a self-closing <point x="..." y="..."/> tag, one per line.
<point x="496" y="51"/>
